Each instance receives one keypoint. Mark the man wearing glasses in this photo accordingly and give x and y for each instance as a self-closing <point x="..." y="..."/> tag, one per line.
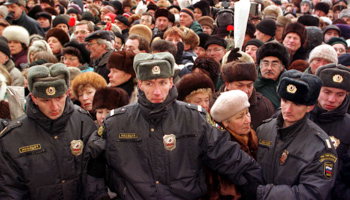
<point x="82" y="30"/>
<point x="272" y="59"/>
<point x="215" y="47"/>
<point x="100" y="46"/>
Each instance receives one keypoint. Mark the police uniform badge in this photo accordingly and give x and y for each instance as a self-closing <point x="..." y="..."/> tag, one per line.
<point x="284" y="157"/>
<point x="156" y="70"/>
<point x="291" y="88"/>
<point x="337" y="78"/>
<point x="76" y="147"/>
<point x="335" y="141"/>
<point x="169" y="142"/>
<point x="51" y="91"/>
<point x="328" y="170"/>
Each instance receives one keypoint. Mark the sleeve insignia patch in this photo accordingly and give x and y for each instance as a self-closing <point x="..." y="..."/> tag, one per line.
<point x="329" y="157"/>
<point x="214" y="124"/>
<point x="328" y="170"/>
<point x="100" y="131"/>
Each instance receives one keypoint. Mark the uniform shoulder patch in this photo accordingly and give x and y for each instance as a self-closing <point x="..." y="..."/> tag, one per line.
<point x="100" y="131"/>
<point x="11" y="125"/>
<point x="196" y="107"/>
<point x="266" y="120"/>
<point x="324" y="137"/>
<point x="117" y="111"/>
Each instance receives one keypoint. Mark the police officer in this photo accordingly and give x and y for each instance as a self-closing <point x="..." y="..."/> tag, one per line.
<point x="156" y="148"/>
<point x="42" y="152"/>
<point x="297" y="157"/>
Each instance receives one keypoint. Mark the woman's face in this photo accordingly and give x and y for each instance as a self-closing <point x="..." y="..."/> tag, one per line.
<point x="118" y="43"/>
<point x="201" y="99"/>
<point x="70" y="60"/>
<point x="54" y="44"/>
<point x="86" y="96"/>
<point x="101" y="115"/>
<point x="239" y="123"/>
<point x="117" y="77"/>
<point x="15" y="47"/>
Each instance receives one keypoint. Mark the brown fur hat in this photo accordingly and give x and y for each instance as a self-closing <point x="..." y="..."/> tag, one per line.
<point x="209" y="66"/>
<point x="299" y="65"/>
<point x="92" y="79"/>
<point x="110" y="98"/>
<point x="192" y="82"/>
<point x="297" y="28"/>
<point x="122" y="60"/>
<point x="58" y="33"/>
<point x="239" y="71"/>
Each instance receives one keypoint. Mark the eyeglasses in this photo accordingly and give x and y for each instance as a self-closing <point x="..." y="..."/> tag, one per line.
<point x="71" y="59"/>
<point x="81" y="32"/>
<point x="274" y="64"/>
<point x="214" y="50"/>
<point x="89" y="44"/>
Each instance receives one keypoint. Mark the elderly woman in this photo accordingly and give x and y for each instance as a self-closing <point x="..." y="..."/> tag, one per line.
<point x="56" y="38"/>
<point x="339" y="45"/>
<point x="37" y="46"/>
<point x="75" y="54"/>
<point x="18" y="41"/>
<point x="84" y="87"/>
<point x="231" y="111"/>
<point x="195" y="88"/>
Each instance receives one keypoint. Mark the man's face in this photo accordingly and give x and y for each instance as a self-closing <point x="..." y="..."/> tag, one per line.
<point x="200" y="51"/>
<point x="251" y="50"/>
<point x="156" y="90"/>
<point x="271" y="67"/>
<point x="3" y="58"/>
<point x="81" y="32"/>
<point x="329" y="34"/>
<point x="44" y="22"/>
<point x="259" y="35"/>
<point x="120" y="24"/>
<point x="98" y="3"/>
<point x="96" y="49"/>
<point x="162" y="23"/>
<point x="63" y="27"/>
<point x="278" y="33"/>
<point x="118" y="43"/>
<point x="318" y="62"/>
<point x="132" y="45"/>
<point x="51" y="107"/>
<point x="320" y="13"/>
<point x="16" y="9"/>
<point x="292" y="112"/>
<point x="147" y="21"/>
<point x="117" y="77"/>
<point x="245" y="86"/>
<point x="292" y="42"/>
<point x="216" y="51"/>
<point x="185" y="19"/>
<point x="305" y="8"/>
<point x="70" y="60"/>
<point x="331" y="98"/>
<point x="347" y="19"/>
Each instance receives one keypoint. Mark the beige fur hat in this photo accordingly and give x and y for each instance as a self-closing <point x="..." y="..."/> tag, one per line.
<point x="229" y="104"/>
<point x="17" y="33"/>
<point x="142" y="30"/>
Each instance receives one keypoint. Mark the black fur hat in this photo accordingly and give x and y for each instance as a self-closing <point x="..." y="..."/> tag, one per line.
<point x="300" y="88"/>
<point x="273" y="49"/>
<point x="333" y="75"/>
<point x="110" y="98"/>
<point x="203" y="6"/>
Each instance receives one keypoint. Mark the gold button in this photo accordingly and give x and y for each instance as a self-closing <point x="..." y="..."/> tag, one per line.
<point x="157" y="182"/>
<point x="152" y="129"/>
<point x="55" y="137"/>
<point x="63" y="181"/>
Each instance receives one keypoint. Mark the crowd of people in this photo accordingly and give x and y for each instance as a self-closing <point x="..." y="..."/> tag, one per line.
<point x="152" y="99"/>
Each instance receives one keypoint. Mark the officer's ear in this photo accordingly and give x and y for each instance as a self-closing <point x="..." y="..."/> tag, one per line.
<point x="309" y="108"/>
<point x="140" y="85"/>
<point x="33" y="99"/>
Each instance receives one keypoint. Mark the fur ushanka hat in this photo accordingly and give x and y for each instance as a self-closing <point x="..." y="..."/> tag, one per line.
<point x="336" y="76"/>
<point x="110" y="98"/>
<point x="298" y="29"/>
<point x="239" y="71"/>
<point x="122" y="60"/>
<point x="273" y="49"/>
<point x="17" y="33"/>
<point x="58" y="33"/>
<point x="192" y="82"/>
<point x="92" y="79"/>
<point x="209" y="66"/>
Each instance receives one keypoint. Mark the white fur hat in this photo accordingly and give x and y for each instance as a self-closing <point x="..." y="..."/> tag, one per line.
<point x="39" y="45"/>
<point x="229" y="104"/>
<point x="17" y="33"/>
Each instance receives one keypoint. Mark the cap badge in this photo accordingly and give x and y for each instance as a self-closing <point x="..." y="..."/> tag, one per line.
<point x="337" y="78"/>
<point x="169" y="142"/>
<point x="76" y="147"/>
<point x="291" y="88"/>
<point x="156" y="70"/>
<point x="51" y="91"/>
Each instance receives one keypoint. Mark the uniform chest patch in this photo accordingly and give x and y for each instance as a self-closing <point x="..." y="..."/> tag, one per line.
<point x="128" y="135"/>
<point x="33" y="147"/>
<point x="169" y="142"/>
<point x="265" y="142"/>
<point x="76" y="147"/>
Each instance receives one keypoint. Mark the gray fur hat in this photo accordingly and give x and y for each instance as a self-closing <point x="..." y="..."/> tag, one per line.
<point x="17" y="33"/>
<point x="344" y="13"/>
<point x="47" y="82"/>
<point x="153" y="66"/>
<point x="333" y="75"/>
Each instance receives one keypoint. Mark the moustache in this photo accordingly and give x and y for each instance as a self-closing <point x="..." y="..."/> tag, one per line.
<point x="269" y="72"/>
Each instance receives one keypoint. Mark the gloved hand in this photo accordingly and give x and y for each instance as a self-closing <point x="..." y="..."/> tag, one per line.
<point x="9" y="17"/>
<point x="180" y="50"/>
<point x="234" y="55"/>
<point x="249" y="190"/>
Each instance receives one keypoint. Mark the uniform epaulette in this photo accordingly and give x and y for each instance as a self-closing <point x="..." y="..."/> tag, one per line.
<point x="195" y="107"/>
<point x="11" y="125"/>
<point x="83" y="111"/>
<point x="117" y="111"/>
<point x="325" y="139"/>
<point x="266" y="120"/>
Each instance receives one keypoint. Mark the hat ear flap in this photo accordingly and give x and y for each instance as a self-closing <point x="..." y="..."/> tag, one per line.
<point x="58" y="69"/>
<point x="38" y="71"/>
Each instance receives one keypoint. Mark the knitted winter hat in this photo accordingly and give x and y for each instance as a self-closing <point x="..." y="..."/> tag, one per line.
<point x="314" y="37"/>
<point x="215" y="40"/>
<point x="209" y="66"/>
<point x="88" y="78"/>
<point x="273" y="49"/>
<point x="239" y="71"/>
<point x="17" y="33"/>
<point x="255" y="42"/>
<point x="48" y="82"/>
<point x="58" y="33"/>
<point x="229" y="104"/>
<point x="203" y="6"/>
<point x="4" y="47"/>
<point x="331" y="27"/>
<point x="300" y="88"/>
<point x="110" y="98"/>
<point x="60" y="19"/>
<point x="344" y="13"/>
<point x="88" y="16"/>
<point x="123" y="20"/>
<point x="334" y="75"/>
<point x="337" y="40"/>
<point x="298" y="29"/>
<point x="206" y="21"/>
<point x="322" y="6"/>
<point x="192" y="82"/>
<point x="122" y="60"/>
<point x="325" y="51"/>
<point x="44" y="14"/>
<point x="267" y="26"/>
<point x="3" y="11"/>
<point x="345" y="30"/>
<point x="142" y="30"/>
<point x="188" y="11"/>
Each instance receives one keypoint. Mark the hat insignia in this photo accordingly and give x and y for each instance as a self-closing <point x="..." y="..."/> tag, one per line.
<point x="51" y="91"/>
<point x="337" y="78"/>
<point x="169" y="142"/>
<point x="291" y="88"/>
<point x="156" y="70"/>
